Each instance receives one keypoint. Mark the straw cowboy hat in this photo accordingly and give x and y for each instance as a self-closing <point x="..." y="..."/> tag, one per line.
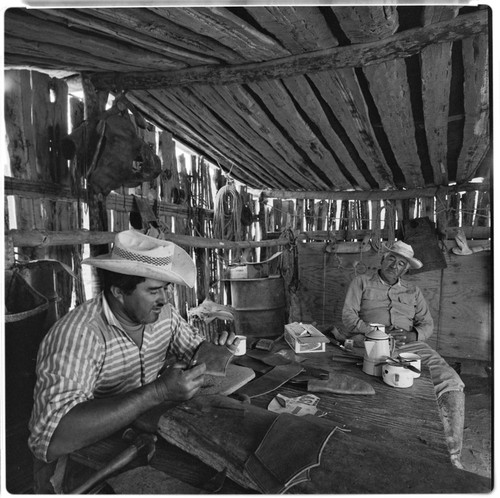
<point x="405" y="251"/>
<point x="134" y="253"/>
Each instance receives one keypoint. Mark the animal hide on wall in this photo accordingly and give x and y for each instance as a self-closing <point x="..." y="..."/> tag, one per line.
<point x="111" y="154"/>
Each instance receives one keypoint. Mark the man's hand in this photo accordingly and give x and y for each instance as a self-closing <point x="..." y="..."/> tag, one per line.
<point x="228" y="339"/>
<point x="177" y="384"/>
<point x="401" y="336"/>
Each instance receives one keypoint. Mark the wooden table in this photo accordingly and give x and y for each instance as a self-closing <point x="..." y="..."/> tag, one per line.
<point x="395" y="444"/>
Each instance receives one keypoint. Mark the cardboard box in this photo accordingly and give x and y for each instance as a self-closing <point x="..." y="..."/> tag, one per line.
<point x="248" y="270"/>
<point x="262" y="269"/>
<point x="305" y="338"/>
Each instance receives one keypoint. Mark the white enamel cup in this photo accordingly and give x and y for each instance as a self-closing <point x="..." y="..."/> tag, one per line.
<point x="415" y="362"/>
<point x="397" y="376"/>
<point x="241" y="349"/>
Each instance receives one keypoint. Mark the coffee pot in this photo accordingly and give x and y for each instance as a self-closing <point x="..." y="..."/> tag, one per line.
<point x="378" y="346"/>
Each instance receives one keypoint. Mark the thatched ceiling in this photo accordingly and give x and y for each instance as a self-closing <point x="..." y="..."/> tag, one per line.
<point x="315" y="98"/>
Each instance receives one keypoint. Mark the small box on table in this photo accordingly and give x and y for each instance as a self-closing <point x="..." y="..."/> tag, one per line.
<point x="305" y="338"/>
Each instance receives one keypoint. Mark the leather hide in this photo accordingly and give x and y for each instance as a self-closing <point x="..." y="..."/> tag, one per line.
<point x="112" y="153"/>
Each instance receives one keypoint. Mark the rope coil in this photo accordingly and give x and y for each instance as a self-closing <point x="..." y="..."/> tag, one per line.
<point x="228" y="206"/>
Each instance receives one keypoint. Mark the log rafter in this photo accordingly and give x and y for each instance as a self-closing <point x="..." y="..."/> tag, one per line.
<point x="400" y="45"/>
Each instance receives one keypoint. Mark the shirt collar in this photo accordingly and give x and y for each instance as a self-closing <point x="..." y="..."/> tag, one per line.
<point x="398" y="282"/>
<point x="109" y="315"/>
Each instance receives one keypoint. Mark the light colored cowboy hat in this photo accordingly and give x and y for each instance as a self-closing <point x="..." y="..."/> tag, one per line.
<point x="406" y="251"/>
<point x="137" y="254"/>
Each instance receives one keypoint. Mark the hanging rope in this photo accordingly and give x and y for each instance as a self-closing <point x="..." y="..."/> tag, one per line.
<point x="227" y="213"/>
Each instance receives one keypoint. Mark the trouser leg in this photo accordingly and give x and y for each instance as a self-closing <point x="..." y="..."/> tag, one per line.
<point x="42" y="472"/>
<point x="449" y="391"/>
<point x="452" y="408"/>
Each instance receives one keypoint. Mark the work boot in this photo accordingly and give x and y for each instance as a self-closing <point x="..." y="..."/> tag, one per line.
<point x="452" y="409"/>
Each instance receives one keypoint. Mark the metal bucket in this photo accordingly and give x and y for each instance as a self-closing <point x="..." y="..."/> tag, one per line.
<point x="259" y="306"/>
<point x="25" y="312"/>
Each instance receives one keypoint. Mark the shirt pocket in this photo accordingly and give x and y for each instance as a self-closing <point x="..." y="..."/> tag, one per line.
<point x="406" y="299"/>
<point x="373" y="300"/>
<point x="374" y="295"/>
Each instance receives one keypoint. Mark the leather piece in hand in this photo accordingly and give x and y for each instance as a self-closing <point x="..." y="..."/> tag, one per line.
<point x="216" y="358"/>
<point x="340" y="384"/>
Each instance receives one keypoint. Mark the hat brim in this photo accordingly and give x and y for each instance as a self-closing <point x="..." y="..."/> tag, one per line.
<point x="106" y="262"/>
<point x="415" y="263"/>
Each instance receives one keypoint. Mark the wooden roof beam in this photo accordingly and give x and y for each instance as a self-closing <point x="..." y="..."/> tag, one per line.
<point x="372" y="195"/>
<point x="404" y="44"/>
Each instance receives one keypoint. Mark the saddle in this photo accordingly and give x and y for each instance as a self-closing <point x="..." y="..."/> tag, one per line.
<point x="110" y="152"/>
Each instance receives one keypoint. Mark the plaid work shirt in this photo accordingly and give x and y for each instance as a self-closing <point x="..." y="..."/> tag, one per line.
<point x="371" y="300"/>
<point x="87" y="355"/>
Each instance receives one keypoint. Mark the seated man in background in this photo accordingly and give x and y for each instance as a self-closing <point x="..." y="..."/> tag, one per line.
<point x="399" y="305"/>
<point x="115" y="356"/>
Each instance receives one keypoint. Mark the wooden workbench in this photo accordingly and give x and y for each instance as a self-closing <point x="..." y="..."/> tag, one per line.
<point x="395" y="442"/>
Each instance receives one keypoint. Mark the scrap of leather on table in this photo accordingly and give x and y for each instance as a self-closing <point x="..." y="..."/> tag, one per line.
<point x="339" y="383"/>
<point x="310" y="373"/>
<point x="235" y="378"/>
<point x="216" y="358"/>
<point x="290" y="448"/>
<point x="270" y="381"/>
<point x="268" y="358"/>
<point x="256" y="365"/>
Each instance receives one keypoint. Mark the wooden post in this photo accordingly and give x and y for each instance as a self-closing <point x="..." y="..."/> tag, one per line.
<point x="94" y="103"/>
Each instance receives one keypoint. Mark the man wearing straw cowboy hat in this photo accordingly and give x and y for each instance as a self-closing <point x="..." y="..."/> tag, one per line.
<point x="399" y="305"/>
<point x="104" y="363"/>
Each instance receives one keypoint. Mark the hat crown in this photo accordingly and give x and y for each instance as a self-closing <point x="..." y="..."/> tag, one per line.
<point x="134" y="246"/>
<point x="402" y="248"/>
<point x="135" y="253"/>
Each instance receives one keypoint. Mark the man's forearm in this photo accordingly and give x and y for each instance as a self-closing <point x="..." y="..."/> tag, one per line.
<point x="96" y="419"/>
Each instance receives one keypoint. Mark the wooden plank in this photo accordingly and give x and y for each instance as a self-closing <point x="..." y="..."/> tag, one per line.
<point x="476" y="102"/>
<point x="374" y="194"/>
<point x="282" y="107"/>
<point x="26" y="53"/>
<point x="466" y="307"/>
<point x="391" y="92"/>
<point x="303" y="94"/>
<point x="436" y="76"/>
<point x="86" y="43"/>
<point x="404" y="44"/>
<point x="268" y="137"/>
<point x="18" y="124"/>
<point x="143" y="28"/>
<point x="299" y="29"/>
<point x="223" y="141"/>
<point x="245" y="114"/>
<point x="367" y="23"/>
<point x="483" y="210"/>
<point x="341" y="91"/>
<point x="438" y="13"/>
<point x="229" y="30"/>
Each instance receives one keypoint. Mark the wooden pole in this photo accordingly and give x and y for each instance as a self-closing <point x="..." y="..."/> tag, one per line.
<point x="42" y="238"/>
<point x="358" y="195"/>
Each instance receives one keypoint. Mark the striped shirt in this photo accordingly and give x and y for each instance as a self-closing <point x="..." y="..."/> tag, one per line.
<point x="87" y="355"/>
